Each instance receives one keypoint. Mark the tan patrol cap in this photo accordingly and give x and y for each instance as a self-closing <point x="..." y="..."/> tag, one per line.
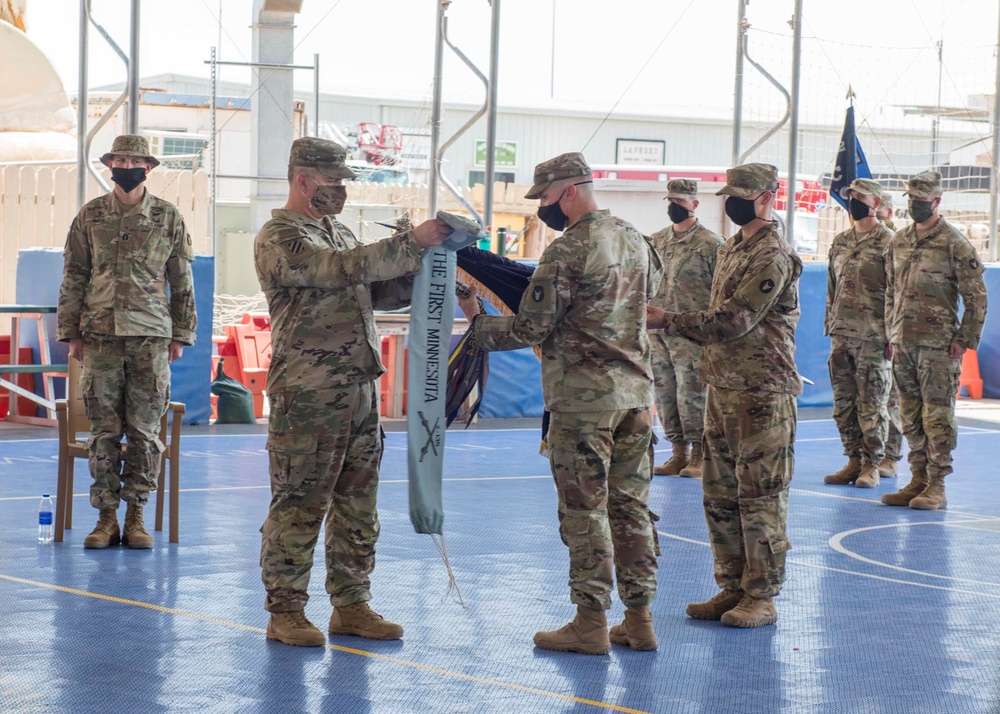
<point x="925" y="185"/>
<point x="130" y="145"/>
<point x="561" y="167"/>
<point x="685" y="189"/>
<point x="743" y="180"/>
<point x="866" y="187"/>
<point x="327" y="157"/>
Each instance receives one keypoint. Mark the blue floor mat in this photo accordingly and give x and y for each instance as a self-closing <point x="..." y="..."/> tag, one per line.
<point x="885" y="609"/>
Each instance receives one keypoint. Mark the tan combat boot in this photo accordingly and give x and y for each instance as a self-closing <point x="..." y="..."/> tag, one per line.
<point x="587" y="633"/>
<point x="636" y="629"/>
<point x="869" y="476"/>
<point x="134" y="535"/>
<point x="106" y="532"/>
<point x="752" y="612"/>
<point x="677" y="461"/>
<point x="693" y="469"/>
<point x="360" y="620"/>
<point x="932" y="497"/>
<point x="294" y="628"/>
<point x="846" y="475"/>
<point x="714" y="609"/>
<point x="910" y="491"/>
<point x="887" y="468"/>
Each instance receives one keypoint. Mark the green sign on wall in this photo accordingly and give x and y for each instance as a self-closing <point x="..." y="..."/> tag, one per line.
<point x="506" y="153"/>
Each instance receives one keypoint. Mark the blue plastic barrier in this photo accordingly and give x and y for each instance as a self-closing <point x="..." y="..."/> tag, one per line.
<point x="514" y="387"/>
<point x="39" y="275"/>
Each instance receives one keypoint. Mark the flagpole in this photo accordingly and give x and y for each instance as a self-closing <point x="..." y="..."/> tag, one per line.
<point x="994" y="249"/>
<point x="738" y="88"/>
<point x="793" y="129"/>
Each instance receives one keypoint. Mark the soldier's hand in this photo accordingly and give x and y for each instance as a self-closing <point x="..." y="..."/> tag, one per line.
<point x="76" y="349"/>
<point x="888" y="350"/>
<point x="654" y="318"/>
<point x="431" y="233"/>
<point x="956" y="350"/>
<point x="469" y="304"/>
<point x="175" y="350"/>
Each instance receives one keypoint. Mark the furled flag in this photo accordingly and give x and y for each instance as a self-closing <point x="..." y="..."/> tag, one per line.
<point x="431" y="315"/>
<point x="851" y="161"/>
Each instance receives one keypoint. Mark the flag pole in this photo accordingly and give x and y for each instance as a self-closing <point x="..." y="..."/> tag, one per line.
<point x="793" y="129"/>
<point x="994" y="249"/>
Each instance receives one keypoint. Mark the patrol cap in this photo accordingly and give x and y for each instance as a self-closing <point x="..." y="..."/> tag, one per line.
<point x="561" y="167"/>
<point x="925" y="185"/>
<point x="886" y="200"/>
<point x="864" y="186"/>
<point x="686" y="189"/>
<point x="327" y="157"/>
<point x="130" y="145"/>
<point x="743" y="180"/>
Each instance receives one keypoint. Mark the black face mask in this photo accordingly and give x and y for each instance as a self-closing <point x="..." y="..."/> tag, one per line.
<point x="921" y="211"/>
<point x="741" y="210"/>
<point x="553" y="216"/>
<point x="677" y="213"/>
<point x="858" y="210"/>
<point x="128" y="179"/>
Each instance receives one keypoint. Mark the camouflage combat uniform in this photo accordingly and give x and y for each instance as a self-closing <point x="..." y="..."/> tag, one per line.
<point x="688" y="264"/>
<point x="324" y="437"/>
<point x="860" y="373"/>
<point x="586" y="307"/>
<point x="119" y="261"/>
<point x="748" y="362"/>
<point x="927" y="273"/>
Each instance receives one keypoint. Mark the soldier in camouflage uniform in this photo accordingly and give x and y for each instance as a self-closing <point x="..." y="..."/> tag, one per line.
<point x="884" y="212"/>
<point x="122" y="252"/>
<point x="586" y="307"/>
<point x="930" y="265"/>
<point x="748" y="361"/>
<point x="860" y="370"/>
<point x="687" y="249"/>
<point x="324" y="437"/>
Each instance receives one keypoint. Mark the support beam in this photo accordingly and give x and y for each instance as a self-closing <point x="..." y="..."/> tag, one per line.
<point x="793" y="127"/>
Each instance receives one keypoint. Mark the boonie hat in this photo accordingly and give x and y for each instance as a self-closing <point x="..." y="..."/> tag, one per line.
<point x="130" y="145"/>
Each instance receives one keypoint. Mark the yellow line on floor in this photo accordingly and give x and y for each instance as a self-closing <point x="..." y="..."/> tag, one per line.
<point x="338" y="648"/>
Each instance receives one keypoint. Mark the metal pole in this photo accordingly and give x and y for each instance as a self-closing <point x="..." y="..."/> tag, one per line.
<point x="995" y="163"/>
<point x="215" y="146"/>
<point x="935" y="126"/>
<point x="552" y="52"/>
<point x="81" y="113"/>
<point x="738" y="89"/>
<point x="793" y="127"/>
<point x="435" y="167"/>
<point x="491" y="127"/>
<point x="133" y="72"/>
<point x="316" y="95"/>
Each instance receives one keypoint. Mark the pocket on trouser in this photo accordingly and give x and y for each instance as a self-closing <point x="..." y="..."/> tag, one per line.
<point x="575" y="532"/>
<point x="766" y="542"/>
<point x="653" y="519"/>
<point x="292" y="459"/>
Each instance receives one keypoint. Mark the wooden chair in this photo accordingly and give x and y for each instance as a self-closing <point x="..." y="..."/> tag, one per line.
<point x="72" y="418"/>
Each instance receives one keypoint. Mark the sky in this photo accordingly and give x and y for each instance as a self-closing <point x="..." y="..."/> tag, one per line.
<point x="655" y="54"/>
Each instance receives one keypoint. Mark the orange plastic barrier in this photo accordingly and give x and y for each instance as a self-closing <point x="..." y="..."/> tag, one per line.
<point x="970" y="375"/>
<point x="25" y="381"/>
<point x="246" y="351"/>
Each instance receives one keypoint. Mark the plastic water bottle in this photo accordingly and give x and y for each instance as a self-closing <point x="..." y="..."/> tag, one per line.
<point x="45" y="519"/>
